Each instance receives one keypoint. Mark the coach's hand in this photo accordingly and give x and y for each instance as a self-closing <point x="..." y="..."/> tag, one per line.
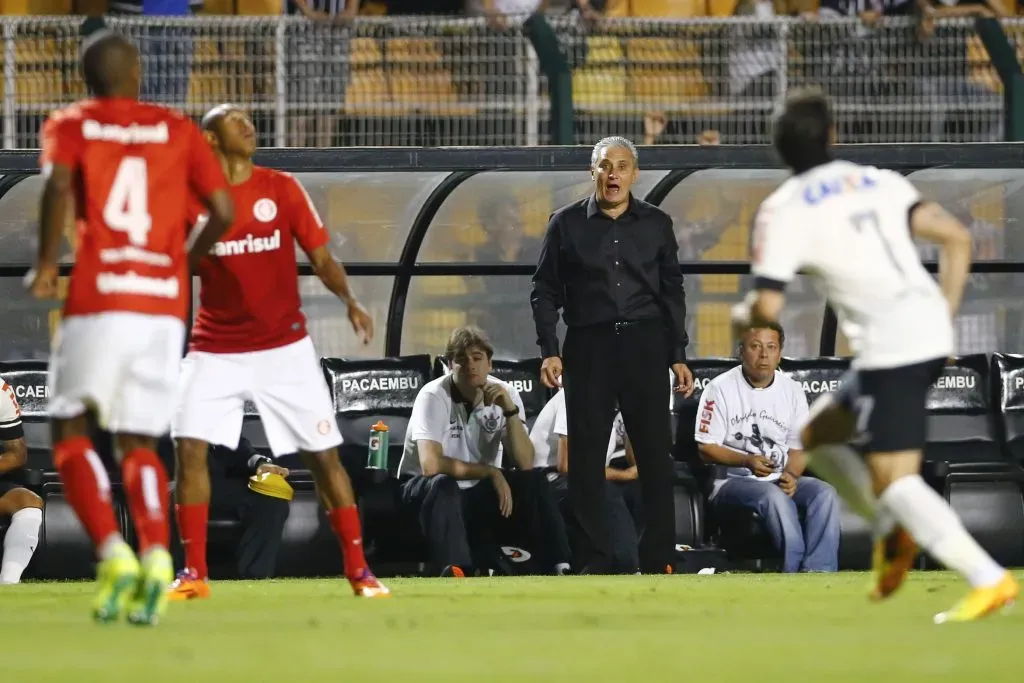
<point x="551" y="372"/>
<point x="41" y="282"/>
<point x="684" y="379"/>
<point x="267" y="468"/>
<point x="362" y="323"/>
<point x="759" y="465"/>
<point x="504" y="492"/>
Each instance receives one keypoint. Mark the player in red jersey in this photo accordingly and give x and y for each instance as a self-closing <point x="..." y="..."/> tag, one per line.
<point x="127" y="170"/>
<point x="249" y="341"/>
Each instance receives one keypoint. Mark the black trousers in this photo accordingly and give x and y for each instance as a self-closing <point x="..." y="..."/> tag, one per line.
<point x="464" y="527"/>
<point x="263" y="519"/>
<point x="624" y="521"/>
<point x="625" y="366"/>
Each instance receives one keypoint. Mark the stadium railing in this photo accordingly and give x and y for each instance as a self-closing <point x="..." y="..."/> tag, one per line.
<point x="419" y="81"/>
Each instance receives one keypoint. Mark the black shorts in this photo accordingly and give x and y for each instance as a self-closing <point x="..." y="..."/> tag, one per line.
<point x="890" y="405"/>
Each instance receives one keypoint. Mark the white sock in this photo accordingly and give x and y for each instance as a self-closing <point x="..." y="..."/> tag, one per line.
<point x="845" y="469"/>
<point x="562" y="569"/>
<point x="113" y="545"/>
<point x="932" y="523"/>
<point x="20" y="542"/>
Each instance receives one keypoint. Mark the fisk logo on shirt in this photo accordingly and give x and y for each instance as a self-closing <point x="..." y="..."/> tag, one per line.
<point x="706" y="415"/>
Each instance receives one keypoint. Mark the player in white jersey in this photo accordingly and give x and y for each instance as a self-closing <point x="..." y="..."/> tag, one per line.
<point x="853" y="227"/>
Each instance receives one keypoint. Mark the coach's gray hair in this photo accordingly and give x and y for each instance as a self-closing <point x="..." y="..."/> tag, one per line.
<point x="613" y="141"/>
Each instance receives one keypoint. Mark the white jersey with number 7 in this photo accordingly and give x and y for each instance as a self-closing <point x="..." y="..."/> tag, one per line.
<point x="849" y="227"/>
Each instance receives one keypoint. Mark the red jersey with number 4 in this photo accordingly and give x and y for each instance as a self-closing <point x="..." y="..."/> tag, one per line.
<point x="249" y="284"/>
<point x="135" y="166"/>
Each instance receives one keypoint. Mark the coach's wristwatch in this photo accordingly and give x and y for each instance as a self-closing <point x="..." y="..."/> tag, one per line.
<point x="511" y="413"/>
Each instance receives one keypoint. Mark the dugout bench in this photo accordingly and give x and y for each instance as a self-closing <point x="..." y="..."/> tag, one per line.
<point x="973" y="457"/>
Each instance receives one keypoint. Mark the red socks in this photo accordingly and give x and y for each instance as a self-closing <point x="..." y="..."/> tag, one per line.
<point x="192" y="521"/>
<point x="86" y="487"/>
<point x="145" y="484"/>
<point x="348" y="529"/>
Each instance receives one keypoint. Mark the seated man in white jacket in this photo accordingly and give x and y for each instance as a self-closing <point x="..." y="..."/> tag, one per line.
<point x="550" y="437"/>
<point x="23" y="508"/>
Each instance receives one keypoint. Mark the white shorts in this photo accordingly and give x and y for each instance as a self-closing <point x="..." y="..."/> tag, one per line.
<point x="286" y="384"/>
<point x="122" y="366"/>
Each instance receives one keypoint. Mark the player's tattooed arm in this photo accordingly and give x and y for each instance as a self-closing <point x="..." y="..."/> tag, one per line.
<point x="932" y="223"/>
<point x="13" y="455"/>
<point x="333" y="275"/>
<point x="55" y="207"/>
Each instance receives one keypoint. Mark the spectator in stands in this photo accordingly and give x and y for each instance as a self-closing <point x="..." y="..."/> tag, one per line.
<point x="262" y="517"/>
<point x="492" y="298"/>
<point x="507" y="241"/>
<point x="21" y="507"/>
<point x="550" y="438"/>
<point x="451" y="472"/>
<point x="166" y="51"/>
<point x="748" y="427"/>
<point x="318" y="69"/>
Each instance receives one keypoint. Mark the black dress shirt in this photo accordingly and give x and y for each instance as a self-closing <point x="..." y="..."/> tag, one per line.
<point x="599" y="269"/>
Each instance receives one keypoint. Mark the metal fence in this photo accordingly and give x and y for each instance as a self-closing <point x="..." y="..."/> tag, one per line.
<point x="432" y="81"/>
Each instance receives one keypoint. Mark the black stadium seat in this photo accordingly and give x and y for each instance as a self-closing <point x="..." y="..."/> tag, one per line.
<point x="365" y="391"/>
<point x="987" y="494"/>
<point x="961" y="419"/>
<point x="817" y="376"/>
<point x="28" y="379"/>
<point x="684" y="410"/>
<point x="1008" y="376"/>
<point x="252" y="428"/>
<point x="524" y="375"/>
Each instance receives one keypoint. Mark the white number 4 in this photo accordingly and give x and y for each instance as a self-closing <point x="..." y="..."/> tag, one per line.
<point x="127" y="207"/>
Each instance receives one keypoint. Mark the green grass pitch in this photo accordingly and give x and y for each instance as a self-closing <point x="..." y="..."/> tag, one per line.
<point x="750" y="628"/>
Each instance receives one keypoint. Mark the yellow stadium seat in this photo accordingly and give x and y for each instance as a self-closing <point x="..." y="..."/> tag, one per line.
<point x="604" y="50"/>
<point x="594" y="87"/>
<point x="218" y="7"/>
<point x="672" y="51"/>
<point x="39" y="75"/>
<point x="367" y="92"/>
<point x="669" y="8"/>
<point x="666" y="88"/>
<point x="430" y="92"/>
<point x="982" y="71"/>
<point x="413" y="50"/>
<point x="364" y="51"/>
<point x="616" y="8"/>
<point x="722" y="8"/>
<point x="258" y="7"/>
<point x="48" y="7"/>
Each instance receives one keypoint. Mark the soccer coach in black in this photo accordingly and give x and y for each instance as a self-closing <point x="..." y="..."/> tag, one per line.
<point x="610" y="263"/>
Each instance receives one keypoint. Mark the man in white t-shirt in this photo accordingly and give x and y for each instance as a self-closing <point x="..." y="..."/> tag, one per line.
<point x="853" y="228"/>
<point x="461" y="426"/>
<point x="550" y="437"/>
<point x="23" y="508"/>
<point x="748" y="427"/>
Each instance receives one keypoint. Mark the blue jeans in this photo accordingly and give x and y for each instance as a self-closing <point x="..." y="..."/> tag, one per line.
<point x="812" y="548"/>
